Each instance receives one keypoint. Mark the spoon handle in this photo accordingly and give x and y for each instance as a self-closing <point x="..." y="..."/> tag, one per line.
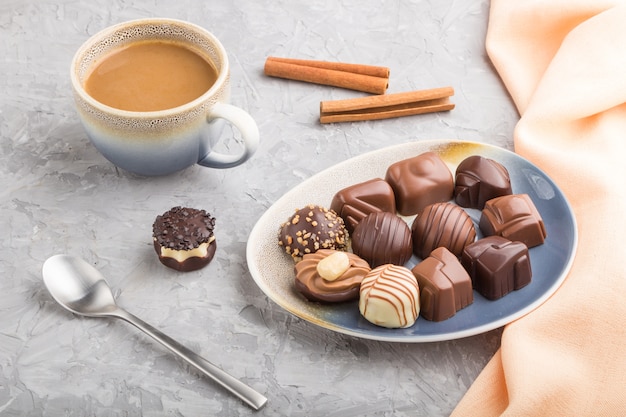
<point x="236" y="387"/>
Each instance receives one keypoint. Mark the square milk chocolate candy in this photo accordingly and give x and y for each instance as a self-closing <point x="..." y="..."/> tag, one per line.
<point x="497" y="266"/>
<point x="355" y="202"/>
<point x="445" y="286"/>
<point x="419" y="181"/>
<point x="514" y="217"/>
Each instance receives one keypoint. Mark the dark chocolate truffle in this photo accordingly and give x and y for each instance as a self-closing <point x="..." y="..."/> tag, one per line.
<point x="497" y="266"/>
<point x="478" y="179"/>
<point x="420" y="181"/>
<point x="183" y="238"/>
<point x="382" y="238"/>
<point x="514" y="217"/>
<point x="445" y="286"/>
<point x="357" y="201"/>
<point x="312" y="228"/>
<point x="330" y="283"/>
<point x="442" y="224"/>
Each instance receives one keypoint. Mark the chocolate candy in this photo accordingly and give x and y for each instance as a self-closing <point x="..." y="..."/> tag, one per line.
<point x="390" y="297"/>
<point x="478" y="179"/>
<point x="312" y="228"/>
<point x="339" y="281"/>
<point x="514" y="217"/>
<point x="354" y="203"/>
<point x="445" y="286"/>
<point x="420" y="181"/>
<point x="183" y="238"/>
<point x="497" y="266"/>
<point x="382" y="238"/>
<point x="442" y="224"/>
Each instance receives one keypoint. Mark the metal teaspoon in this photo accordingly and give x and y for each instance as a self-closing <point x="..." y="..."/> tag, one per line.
<point x="82" y="289"/>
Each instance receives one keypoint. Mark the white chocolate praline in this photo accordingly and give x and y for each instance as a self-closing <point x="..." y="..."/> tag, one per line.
<point x="182" y="255"/>
<point x="389" y="297"/>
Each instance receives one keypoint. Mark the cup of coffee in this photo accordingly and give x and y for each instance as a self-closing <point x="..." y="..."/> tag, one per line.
<point x="153" y="95"/>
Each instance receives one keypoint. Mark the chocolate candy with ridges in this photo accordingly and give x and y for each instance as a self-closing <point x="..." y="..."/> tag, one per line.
<point x="442" y="224"/>
<point x="382" y="238"/>
<point x="390" y="297"/>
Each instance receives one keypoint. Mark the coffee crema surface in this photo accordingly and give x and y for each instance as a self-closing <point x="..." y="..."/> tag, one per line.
<point x="150" y="76"/>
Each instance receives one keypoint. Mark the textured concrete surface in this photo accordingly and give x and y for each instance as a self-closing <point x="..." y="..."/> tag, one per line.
<point x="59" y="195"/>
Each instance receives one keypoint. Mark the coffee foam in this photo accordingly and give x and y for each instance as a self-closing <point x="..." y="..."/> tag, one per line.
<point x="131" y="32"/>
<point x="122" y="36"/>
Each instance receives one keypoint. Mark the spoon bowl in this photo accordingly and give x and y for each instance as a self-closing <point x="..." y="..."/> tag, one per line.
<point x="82" y="289"/>
<point x="77" y="286"/>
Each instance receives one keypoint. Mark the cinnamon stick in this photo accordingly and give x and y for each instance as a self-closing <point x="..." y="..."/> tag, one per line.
<point x="386" y="106"/>
<point x="367" y="78"/>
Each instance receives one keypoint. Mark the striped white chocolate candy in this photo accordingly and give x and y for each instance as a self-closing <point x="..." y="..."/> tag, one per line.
<point x="390" y="297"/>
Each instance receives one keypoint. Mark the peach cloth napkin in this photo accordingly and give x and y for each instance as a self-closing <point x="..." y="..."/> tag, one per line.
<point x="564" y="64"/>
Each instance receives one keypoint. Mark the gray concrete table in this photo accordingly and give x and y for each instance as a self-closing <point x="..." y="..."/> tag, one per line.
<point x="59" y="195"/>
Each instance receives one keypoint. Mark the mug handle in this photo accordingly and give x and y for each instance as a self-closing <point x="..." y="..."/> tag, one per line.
<point x="249" y="133"/>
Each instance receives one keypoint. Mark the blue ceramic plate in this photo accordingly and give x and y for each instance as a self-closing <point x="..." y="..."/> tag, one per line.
<point x="273" y="272"/>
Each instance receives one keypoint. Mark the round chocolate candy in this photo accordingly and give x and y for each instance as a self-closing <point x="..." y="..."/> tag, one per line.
<point x="442" y="224"/>
<point x="337" y="282"/>
<point x="382" y="238"/>
<point x="390" y="297"/>
<point x="183" y="238"/>
<point x="310" y="229"/>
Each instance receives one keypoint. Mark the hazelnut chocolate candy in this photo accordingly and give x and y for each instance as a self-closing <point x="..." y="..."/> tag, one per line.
<point x="420" y="181"/>
<point x="330" y="276"/>
<point x="310" y="229"/>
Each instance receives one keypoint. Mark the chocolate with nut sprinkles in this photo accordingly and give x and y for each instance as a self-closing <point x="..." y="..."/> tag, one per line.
<point x="184" y="229"/>
<point x="312" y="228"/>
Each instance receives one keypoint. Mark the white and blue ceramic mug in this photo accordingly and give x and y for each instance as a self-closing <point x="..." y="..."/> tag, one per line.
<point x="162" y="141"/>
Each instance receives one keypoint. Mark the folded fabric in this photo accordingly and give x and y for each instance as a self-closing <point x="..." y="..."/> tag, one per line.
<point x="564" y="64"/>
